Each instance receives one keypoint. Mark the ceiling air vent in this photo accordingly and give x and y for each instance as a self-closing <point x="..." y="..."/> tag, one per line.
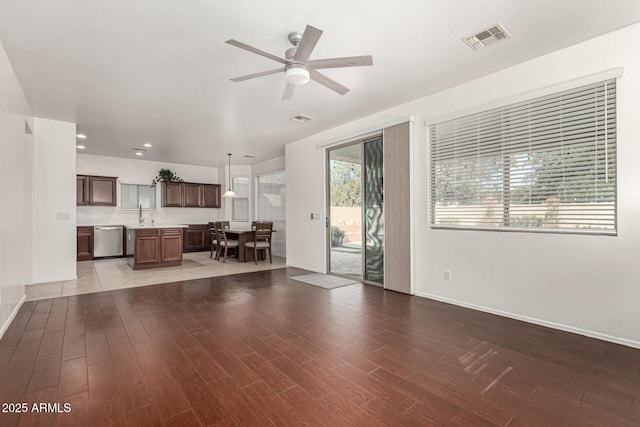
<point x="301" y="118"/>
<point x="486" y="37"/>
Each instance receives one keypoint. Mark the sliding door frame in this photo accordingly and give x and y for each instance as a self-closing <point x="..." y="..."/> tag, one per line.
<point x="357" y="141"/>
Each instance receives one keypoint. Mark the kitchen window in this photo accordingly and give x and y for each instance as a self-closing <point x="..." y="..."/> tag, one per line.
<point x="240" y="203"/>
<point x="132" y="196"/>
<point x="546" y="164"/>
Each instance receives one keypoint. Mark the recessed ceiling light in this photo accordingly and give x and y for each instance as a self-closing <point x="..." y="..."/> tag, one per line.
<point x="139" y="153"/>
<point x="81" y="136"/>
<point x="249" y="156"/>
<point x="148" y="145"/>
<point x="80" y="147"/>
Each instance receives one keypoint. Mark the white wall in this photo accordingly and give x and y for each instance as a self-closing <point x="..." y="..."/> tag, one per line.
<point x="54" y="242"/>
<point x="585" y="284"/>
<point x="134" y="171"/>
<point x="272" y="165"/>
<point x="16" y="153"/>
<point x="306" y="246"/>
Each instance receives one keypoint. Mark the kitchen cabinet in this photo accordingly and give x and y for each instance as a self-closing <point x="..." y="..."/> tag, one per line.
<point x="191" y="195"/>
<point x="211" y="196"/>
<point x="172" y="194"/>
<point x="157" y="247"/>
<point x="84" y="243"/>
<point x="96" y="190"/>
<point x="171" y="246"/>
<point x="197" y="237"/>
<point x="82" y="190"/>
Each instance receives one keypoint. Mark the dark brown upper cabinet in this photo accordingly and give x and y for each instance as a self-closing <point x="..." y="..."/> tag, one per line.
<point x="172" y="194"/>
<point x="211" y="196"/>
<point x="191" y="195"/>
<point x="82" y="190"/>
<point x="96" y="190"/>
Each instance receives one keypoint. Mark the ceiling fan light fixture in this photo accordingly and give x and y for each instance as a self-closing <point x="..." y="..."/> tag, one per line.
<point x="297" y="74"/>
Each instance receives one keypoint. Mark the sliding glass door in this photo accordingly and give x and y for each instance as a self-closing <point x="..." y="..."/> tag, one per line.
<point x="356" y="213"/>
<point x="373" y="226"/>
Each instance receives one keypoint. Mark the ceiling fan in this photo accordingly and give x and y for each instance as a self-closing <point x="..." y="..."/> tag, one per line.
<point x="298" y="69"/>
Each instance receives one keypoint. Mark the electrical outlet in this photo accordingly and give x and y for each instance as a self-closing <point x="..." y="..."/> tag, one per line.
<point x="447" y="275"/>
<point x="312" y="216"/>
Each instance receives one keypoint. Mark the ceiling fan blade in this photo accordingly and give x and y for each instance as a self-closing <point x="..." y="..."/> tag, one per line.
<point x="308" y="42"/>
<point x="257" y="51"/>
<point x="318" y="77"/>
<point x="288" y="92"/>
<point x="255" y="75"/>
<point x="349" y="61"/>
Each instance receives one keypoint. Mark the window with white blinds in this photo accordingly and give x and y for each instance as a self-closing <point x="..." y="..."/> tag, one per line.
<point x="132" y="196"/>
<point x="546" y="164"/>
<point x="240" y="203"/>
<point x="271" y="193"/>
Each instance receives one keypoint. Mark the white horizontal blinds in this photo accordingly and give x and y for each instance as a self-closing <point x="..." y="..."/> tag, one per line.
<point x="146" y="196"/>
<point x="271" y="197"/>
<point x="133" y="195"/>
<point x="128" y="196"/>
<point x="547" y="163"/>
<point x="466" y="161"/>
<point x="240" y="203"/>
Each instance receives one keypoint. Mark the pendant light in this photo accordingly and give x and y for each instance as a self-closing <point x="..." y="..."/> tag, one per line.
<point x="229" y="192"/>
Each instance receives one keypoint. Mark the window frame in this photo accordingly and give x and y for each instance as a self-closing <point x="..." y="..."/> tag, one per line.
<point x="508" y="164"/>
<point x="155" y="197"/>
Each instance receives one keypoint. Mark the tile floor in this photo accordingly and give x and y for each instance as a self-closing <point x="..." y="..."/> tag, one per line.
<point x="114" y="273"/>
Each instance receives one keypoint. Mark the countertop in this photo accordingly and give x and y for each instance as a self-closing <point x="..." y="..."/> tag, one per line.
<point x="143" y="226"/>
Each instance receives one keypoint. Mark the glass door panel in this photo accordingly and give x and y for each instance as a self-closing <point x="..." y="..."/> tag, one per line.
<point x="374" y="211"/>
<point x="345" y="205"/>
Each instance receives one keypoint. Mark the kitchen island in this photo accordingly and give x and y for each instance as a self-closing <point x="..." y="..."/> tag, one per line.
<point x="152" y="246"/>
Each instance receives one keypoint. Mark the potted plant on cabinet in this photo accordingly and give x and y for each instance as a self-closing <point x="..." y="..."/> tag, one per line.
<point x="165" y="175"/>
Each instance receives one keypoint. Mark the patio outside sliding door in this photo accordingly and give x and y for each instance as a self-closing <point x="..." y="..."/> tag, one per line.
<point x="345" y="210"/>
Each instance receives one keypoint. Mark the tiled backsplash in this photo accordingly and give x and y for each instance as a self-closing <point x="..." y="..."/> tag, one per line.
<point x="107" y="215"/>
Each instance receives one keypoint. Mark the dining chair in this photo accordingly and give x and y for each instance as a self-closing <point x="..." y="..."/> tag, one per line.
<point x="214" y="239"/>
<point x="261" y="240"/>
<point x="224" y="242"/>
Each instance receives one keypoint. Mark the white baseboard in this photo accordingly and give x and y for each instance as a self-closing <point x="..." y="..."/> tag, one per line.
<point x="12" y="316"/>
<point x="553" y="325"/>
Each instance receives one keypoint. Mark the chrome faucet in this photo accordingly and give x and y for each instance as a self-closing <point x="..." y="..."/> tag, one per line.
<point x="140" y="217"/>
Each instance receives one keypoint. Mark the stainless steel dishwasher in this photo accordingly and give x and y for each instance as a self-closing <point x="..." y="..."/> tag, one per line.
<point x="107" y="241"/>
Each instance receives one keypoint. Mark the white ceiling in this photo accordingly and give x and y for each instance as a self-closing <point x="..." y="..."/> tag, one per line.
<point x="135" y="71"/>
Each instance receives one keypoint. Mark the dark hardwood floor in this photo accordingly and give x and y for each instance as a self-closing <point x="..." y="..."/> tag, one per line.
<point x="259" y="349"/>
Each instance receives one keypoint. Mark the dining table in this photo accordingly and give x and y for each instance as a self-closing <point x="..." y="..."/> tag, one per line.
<point x="244" y="235"/>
